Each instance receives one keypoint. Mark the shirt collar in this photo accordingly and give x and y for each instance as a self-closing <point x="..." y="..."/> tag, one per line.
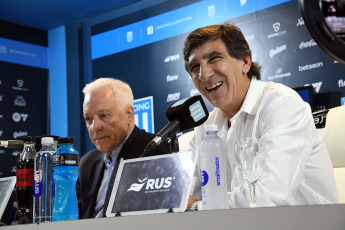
<point x="251" y="101"/>
<point x="108" y="160"/>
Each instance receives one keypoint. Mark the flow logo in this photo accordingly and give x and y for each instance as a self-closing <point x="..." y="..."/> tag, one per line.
<point x="151" y="184"/>
<point x="143" y="114"/>
<point x="172" y="78"/>
<point x="341" y="83"/>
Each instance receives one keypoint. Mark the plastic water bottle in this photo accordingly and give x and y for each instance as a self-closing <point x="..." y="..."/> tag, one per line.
<point x="213" y="171"/>
<point x="66" y="162"/>
<point x="44" y="185"/>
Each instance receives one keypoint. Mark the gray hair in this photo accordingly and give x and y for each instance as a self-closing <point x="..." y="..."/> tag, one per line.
<point x="122" y="91"/>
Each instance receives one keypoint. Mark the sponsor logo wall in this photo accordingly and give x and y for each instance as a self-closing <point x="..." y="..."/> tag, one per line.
<point x="277" y="36"/>
<point x="23" y="102"/>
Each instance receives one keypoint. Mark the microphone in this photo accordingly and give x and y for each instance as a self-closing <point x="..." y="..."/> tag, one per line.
<point x="184" y="114"/>
<point x="16" y="144"/>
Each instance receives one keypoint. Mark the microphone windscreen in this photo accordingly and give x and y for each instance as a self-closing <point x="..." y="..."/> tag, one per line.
<point x="191" y="112"/>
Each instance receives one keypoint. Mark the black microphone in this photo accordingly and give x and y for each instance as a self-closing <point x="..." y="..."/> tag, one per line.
<point x="16" y="144"/>
<point x="184" y="114"/>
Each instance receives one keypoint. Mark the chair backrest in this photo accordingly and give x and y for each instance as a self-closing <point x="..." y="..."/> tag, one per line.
<point x="183" y="141"/>
<point x="333" y="133"/>
<point x="330" y="125"/>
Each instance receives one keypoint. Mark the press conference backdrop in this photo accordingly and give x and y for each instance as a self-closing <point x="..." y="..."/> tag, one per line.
<point x="147" y="53"/>
<point x="23" y="93"/>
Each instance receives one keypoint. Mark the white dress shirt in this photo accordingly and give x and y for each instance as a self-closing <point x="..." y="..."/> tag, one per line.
<point x="298" y="168"/>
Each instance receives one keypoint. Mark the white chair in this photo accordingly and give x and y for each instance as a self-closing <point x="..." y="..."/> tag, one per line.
<point x="333" y="135"/>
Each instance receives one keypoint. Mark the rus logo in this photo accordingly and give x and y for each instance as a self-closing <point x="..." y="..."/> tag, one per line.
<point x="151" y="184"/>
<point x="173" y="97"/>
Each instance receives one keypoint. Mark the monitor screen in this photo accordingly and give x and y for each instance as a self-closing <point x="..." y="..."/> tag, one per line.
<point x="306" y="93"/>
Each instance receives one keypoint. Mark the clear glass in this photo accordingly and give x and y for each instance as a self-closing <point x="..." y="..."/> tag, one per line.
<point x="251" y="159"/>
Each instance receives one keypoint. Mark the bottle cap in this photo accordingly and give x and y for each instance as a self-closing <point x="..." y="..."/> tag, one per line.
<point x="66" y="140"/>
<point x="29" y="139"/>
<point x="47" y="140"/>
<point x="211" y="128"/>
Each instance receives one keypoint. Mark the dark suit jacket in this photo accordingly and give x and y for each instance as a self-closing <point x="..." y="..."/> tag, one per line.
<point x="91" y="169"/>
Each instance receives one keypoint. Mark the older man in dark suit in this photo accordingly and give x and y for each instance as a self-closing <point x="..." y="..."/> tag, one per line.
<point x="109" y="116"/>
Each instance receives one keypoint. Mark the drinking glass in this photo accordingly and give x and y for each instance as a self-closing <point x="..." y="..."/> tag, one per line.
<point x="251" y="158"/>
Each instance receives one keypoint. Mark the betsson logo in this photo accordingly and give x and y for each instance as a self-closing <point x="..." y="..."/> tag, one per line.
<point x="310" y="66"/>
<point x="152" y="185"/>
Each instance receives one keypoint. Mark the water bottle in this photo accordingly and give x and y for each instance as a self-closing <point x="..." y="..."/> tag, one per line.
<point x="213" y="171"/>
<point x="44" y="186"/>
<point x="25" y="182"/>
<point x="66" y="162"/>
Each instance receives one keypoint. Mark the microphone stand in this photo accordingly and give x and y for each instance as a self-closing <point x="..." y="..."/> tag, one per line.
<point x="174" y="148"/>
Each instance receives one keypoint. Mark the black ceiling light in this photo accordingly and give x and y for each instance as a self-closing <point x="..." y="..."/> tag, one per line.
<point x="325" y="20"/>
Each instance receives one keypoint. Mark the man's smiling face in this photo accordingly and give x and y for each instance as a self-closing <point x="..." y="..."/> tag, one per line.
<point x="219" y="77"/>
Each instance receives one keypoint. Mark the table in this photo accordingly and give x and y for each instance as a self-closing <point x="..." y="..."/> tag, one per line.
<point x="314" y="217"/>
